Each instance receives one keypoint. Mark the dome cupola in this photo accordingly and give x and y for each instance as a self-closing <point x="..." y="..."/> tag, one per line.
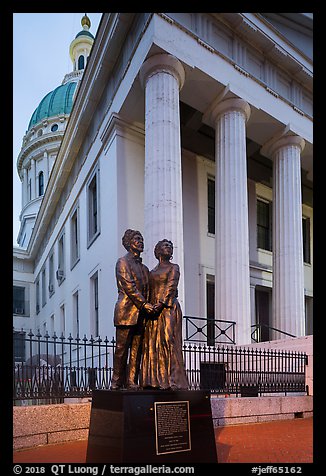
<point x="45" y="132"/>
<point x="59" y="101"/>
<point x="55" y="103"/>
<point x="81" y="46"/>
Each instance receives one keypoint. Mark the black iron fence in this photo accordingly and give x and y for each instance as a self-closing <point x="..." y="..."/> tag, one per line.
<point x="245" y="370"/>
<point x="49" y="369"/>
<point x="55" y="367"/>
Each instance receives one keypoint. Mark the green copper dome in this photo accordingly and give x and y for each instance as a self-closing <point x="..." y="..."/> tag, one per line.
<point x="58" y="101"/>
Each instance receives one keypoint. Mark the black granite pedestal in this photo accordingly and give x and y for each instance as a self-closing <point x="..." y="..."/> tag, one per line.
<point x="151" y="427"/>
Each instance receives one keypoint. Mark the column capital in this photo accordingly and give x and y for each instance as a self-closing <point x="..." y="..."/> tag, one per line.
<point x="227" y="105"/>
<point x="274" y="144"/>
<point x="162" y="62"/>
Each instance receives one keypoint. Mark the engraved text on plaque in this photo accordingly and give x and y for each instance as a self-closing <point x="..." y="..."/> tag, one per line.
<point x="172" y="427"/>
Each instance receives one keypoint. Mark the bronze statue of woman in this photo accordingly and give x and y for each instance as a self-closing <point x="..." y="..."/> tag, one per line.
<point x="162" y="359"/>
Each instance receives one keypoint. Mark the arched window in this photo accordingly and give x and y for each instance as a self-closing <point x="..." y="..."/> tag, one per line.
<point x="40" y="184"/>
<point x="81" y="62"/>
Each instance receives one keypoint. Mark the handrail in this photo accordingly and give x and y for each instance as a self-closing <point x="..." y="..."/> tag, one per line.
<point x="258" y="327"/>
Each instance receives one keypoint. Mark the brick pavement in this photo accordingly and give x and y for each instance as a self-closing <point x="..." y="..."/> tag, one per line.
<point x="283" y="441"/>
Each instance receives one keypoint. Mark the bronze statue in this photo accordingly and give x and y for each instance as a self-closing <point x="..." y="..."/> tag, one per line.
<point x="162" y="360"/>
<point x="130" y="310"/>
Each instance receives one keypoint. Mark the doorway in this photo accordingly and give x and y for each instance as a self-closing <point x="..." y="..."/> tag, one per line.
<point x="263" y="298"/>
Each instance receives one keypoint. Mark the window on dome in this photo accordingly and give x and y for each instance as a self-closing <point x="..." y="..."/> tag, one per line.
<point x="54" y="127"/>
<point x="81" y="62"/>
<point x="40" y="184"/>
<point x="39" y="132"/>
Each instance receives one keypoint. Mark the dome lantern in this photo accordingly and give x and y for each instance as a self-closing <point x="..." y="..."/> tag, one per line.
<point x="81" y="46"/>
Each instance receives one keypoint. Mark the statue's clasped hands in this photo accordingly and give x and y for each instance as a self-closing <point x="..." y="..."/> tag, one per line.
<point x="153" y="309"/>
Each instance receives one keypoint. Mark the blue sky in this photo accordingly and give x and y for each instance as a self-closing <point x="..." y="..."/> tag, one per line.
<point x="40" y="60"/>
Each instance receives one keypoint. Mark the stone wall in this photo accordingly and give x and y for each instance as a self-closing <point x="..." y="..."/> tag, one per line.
<point x="46" y="424"/>
<point x="239" y="410"/>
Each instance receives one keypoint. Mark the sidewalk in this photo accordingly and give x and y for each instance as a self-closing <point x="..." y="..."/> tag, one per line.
<point x="284" y="441"/>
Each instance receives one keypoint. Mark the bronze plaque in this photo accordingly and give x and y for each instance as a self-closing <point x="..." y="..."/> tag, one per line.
<point x="172" y="427"/>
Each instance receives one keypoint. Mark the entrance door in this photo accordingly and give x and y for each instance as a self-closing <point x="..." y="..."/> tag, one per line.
<point x="263" y="299"/>
<point x="210" y="300"/>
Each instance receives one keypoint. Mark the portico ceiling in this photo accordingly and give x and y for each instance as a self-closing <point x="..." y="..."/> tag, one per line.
<point x="196" y="96"/>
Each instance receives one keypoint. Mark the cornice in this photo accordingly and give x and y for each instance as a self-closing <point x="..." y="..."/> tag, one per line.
<point x="272" y="58"/>
<point x="37" y="143"/>
<point x="250" y="26"/>
<point x="20" y="253"/>
<point x="281" y="35"/>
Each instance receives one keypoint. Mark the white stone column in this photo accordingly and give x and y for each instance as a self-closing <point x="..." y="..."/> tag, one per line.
<point x="162" y="77"/>
<point x="232" y="276"/>
<point x="46" y="168"/>
<point x="33" y="178"/>
<point x="25" y="187"/>
<point x="288" y="269"/>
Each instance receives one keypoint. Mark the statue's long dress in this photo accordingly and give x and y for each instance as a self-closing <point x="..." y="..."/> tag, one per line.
<point x="162" y="364"/>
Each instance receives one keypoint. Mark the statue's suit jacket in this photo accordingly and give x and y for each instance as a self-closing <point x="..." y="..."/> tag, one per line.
<point x="133" y="289"/>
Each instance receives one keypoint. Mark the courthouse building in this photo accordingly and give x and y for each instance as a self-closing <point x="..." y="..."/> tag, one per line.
<point x="196" y="127"/>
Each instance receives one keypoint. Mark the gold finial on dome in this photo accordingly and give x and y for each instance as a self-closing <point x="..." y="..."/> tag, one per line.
<point x="85" y="22"/>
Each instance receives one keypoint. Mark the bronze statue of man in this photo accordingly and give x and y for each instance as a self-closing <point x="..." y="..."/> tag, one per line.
<point x="130" y="311"/>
